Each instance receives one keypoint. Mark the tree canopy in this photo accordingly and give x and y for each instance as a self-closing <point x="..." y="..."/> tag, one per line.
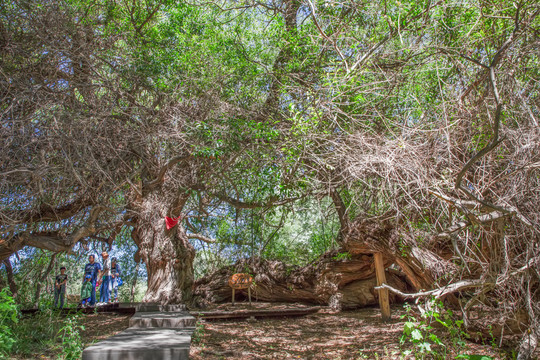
<point x="256" y="120"/>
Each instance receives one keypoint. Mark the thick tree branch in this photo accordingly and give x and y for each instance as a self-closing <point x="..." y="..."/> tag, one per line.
<point x="201" y="237"/>
<point x="483" y="219"/>
<point x="46" y="212"/>
<point x="342" y="212"/>
<point x="468" y="204"/>
<point x="161" y="174"/>
<point x="11" y="279"/>
<point x="56" y="241"/>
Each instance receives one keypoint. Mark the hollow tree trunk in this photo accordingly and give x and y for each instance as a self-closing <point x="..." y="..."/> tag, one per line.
<point x="168" y="255"/>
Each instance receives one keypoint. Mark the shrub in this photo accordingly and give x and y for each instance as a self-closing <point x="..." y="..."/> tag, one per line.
<point x="8" y="318"/>
<point x="72" y="345"/>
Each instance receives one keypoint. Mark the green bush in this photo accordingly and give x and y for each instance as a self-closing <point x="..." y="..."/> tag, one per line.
<point x="48" y="332"/>
<point x="425" y="343"/>
<point x="8" y="318"/>
<point x="72" y="345"/>
<point x="37" y="333"/>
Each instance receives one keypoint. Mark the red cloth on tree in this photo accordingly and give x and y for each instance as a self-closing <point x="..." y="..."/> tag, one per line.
<point x="171" y="222"/>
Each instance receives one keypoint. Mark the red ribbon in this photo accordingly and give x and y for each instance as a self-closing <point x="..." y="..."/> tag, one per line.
<point x="171" y="222"/>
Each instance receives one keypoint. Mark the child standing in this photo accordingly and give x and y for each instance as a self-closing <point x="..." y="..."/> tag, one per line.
<point x="86" y="291"/>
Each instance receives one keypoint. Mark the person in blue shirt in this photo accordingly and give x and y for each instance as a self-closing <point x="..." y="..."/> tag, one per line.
<point x="94" y="270"/>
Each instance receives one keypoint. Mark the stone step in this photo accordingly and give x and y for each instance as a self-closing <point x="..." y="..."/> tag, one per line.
<point x="173" y="307"/>
<point x="156" y="319"/>
<point x="142" y="344"/>
<point x="155" y="307"/>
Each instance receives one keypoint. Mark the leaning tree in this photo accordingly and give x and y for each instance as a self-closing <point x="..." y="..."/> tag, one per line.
<point x="115" y="115"/>
<point x="103" y="115"/>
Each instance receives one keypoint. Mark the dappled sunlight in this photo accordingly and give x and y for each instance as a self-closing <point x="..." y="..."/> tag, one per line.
<point x="346" y="335"/>
<point x="103" y="326"/>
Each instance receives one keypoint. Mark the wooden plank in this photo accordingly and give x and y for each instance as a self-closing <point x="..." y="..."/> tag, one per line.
<point x="255" y="313"/>
<point x="383" y="293"/>
<point x="89" y="310"/>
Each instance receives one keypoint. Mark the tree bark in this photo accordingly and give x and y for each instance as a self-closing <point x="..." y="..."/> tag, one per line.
<point x="168" y="255"/>
<point x="11" y="280"/>
<point x="43" y="279"/>
<point x="134" y="284"/>
<point x="341" y="210"/>
<point x="370" y="236"/>
<point x="342" y="284"/>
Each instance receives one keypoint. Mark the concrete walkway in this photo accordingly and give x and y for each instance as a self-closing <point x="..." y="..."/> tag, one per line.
<point x="155" y="332"/>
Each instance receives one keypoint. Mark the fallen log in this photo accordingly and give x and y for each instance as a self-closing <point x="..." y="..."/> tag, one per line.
<point x="343" y="284"/>
<point x="109" y="308"/>
<point x="343" y="278"/>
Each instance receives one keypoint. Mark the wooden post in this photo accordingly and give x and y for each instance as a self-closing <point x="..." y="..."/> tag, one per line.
<point x="249" y="295"/>
<point x="383" y="293"/>
<point x="233" y="296"/>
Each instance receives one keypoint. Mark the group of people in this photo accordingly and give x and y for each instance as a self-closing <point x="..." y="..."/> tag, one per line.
<point x="107" y="277"/>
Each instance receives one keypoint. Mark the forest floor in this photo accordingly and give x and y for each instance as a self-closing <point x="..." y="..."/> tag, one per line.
<point x="101" y="326"/>
<point x="357" y="334"/>
<point x="40" y="336"/>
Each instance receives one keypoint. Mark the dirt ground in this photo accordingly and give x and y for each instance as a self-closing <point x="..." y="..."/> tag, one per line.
<point x="358" y="334"/>
<point x="101" y="326"/>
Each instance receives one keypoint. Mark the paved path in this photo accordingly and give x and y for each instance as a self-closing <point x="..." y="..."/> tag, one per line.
<point x="155" y="332"/>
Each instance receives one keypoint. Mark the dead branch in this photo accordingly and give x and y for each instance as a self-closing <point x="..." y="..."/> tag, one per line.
<point x="440" y="292"/>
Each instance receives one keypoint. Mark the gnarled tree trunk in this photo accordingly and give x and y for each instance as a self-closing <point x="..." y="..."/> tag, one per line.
<point x="336" y="280"/>
<point x="168" y="255"/>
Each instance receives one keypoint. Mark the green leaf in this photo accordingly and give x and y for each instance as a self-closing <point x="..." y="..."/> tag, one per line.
<point x="416" y="335"/>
